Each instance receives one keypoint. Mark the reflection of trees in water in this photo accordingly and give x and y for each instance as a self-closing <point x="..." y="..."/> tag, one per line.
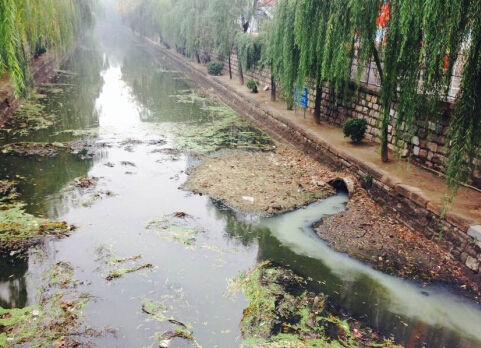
<point x="77" y="106"/>
<point x="46" y="176"/>
<point x="153" y="85"/>
<point x="74" y="109"/>
<point x="13" y="288"/>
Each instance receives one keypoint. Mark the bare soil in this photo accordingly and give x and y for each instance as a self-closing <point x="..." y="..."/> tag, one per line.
<point x="263" y="183"/>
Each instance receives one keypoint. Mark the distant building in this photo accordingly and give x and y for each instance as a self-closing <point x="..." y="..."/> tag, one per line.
<point x="264" y="11"/>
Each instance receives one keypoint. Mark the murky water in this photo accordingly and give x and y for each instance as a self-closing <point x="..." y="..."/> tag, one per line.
<point x="121" y="91"/>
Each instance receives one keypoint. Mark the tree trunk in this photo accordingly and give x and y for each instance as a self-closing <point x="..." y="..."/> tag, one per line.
<point x="384" y="140"/>
<point x="230" y="68"/>
<point x="317" y="103"/>
<point x="273" y="88"/>
<point x="241" y="73"/>
<point x="197" y="57"/>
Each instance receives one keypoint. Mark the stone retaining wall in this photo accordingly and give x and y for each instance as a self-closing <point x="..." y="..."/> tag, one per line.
<point x="411" y="207"/>
<point x="425" y="145"/>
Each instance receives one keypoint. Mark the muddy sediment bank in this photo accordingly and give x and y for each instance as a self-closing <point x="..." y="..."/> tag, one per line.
<point x="373" y="234"/>
<point x="263" y="183"/>
<point x="408" y="206"/>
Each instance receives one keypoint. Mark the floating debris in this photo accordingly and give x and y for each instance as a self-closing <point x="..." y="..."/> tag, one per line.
<point x="223" y="130"/>
<point x="30" y="116"/>
<point x="110" y="260"/>
<point x="19" y="229"/>
<point x="125" y="259"/>
<point x="283" y="313"/>
<point x="158" y="312"/>
<point x="119" y="273"/>
<point x="177" y="227"/>
<point x="127" y="163"/>
<point x="8" y="191"/>
<point x="33" y="149"/>
<point x="86" y="182"/>
<point x="55" y="321"/>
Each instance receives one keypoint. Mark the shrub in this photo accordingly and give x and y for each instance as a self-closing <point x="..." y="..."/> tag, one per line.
<point x="252" y="85"/>
<point x="215" y="68"/>
<point x="356" y="129"/>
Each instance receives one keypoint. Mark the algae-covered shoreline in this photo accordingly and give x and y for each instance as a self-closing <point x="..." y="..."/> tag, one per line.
<point x="282" y="312"/>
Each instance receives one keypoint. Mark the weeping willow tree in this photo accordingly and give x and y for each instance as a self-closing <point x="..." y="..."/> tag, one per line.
<point x="415" y="45"/>
<point x="227" y="20"/>
<point x="30" y="27"/>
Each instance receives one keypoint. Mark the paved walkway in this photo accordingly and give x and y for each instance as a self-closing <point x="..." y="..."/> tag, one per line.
<point x="433" y="187"/>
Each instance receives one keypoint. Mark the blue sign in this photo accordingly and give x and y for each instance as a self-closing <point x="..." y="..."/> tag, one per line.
<point x="301" y="98"/>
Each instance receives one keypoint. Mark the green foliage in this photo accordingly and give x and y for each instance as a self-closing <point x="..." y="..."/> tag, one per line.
<point x="316" y="42"/>
<point x="250" y="50"/>
<point x="415" y="55"/>
<point x="30" y="27"/>
<point x="215" y="68"/>
<point x="252" y="85"/>
<point x="355" y="129"/>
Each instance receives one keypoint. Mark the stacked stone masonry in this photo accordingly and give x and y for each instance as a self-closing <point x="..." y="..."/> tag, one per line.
<point x="425" y="144"/>
<point x="459" y="237"/>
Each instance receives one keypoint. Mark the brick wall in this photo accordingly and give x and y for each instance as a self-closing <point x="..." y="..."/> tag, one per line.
<point x="425" y="144"/>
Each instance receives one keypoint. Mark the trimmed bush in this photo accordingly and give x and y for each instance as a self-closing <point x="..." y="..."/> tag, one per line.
<point x="355" y="129"/>
<point x="215" y="68"/>
<point x="252" y="85"/>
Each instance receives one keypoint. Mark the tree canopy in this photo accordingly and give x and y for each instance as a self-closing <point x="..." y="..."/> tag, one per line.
<point x="29" y="27"/>
<point x="414" y="43"/>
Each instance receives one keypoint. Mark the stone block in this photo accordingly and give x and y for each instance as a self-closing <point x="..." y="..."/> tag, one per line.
<point x="416" y="150"/>
<point x="475" y="232"/>
<point x="432" y="146"/>
<point x="403" y="190"/>
<point x="415" y="141"/>
<point x="472" y="264"/>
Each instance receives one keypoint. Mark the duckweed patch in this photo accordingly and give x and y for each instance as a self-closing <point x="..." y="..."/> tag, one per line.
<point x="30" y="116"/>
<point x="178" y="227"/>
<point x="158" y="312"/>
<point x="223" y="129"/>
<point x="283" y="313"/>
<point x="19" y="229"/>
<point x="8" y="191"/>
<point x="33" y="149"/>
<point x="54" y="321"/>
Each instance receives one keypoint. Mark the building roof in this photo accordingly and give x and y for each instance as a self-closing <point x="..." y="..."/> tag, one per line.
<point x="267" y="3"/>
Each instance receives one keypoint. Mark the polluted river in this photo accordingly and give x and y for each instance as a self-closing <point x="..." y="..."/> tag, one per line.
<point x="150" y="257"/>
